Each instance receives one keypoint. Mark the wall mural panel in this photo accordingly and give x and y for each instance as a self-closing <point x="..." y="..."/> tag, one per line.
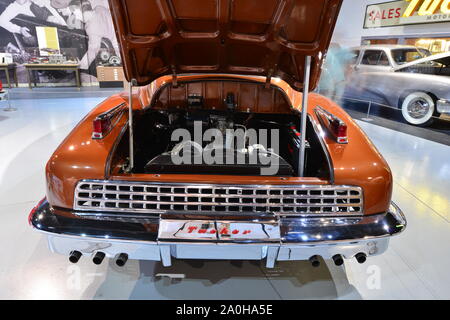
<point x="85" y="32"/>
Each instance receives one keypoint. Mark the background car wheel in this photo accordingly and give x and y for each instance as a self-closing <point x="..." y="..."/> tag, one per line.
<point x="418" y="108"/>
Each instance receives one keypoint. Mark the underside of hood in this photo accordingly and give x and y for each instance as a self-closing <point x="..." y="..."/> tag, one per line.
<point x="269" y="38"/>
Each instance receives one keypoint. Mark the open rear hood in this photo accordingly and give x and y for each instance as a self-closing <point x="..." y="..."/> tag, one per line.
<point x="253" y="37"/>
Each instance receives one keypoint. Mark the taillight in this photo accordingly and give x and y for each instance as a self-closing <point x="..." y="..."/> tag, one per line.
<point x="102" y="126"/>
<point x="335" y="126"/>
<point x="339" y="129"/>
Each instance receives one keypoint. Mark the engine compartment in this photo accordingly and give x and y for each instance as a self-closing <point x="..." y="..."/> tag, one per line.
<point x="195" y="136"/>
<point x="235" y="144"/>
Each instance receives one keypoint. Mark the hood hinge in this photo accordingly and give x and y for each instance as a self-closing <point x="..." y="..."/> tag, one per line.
<point x="174" y="77"/>
<point x="269" y="78"/>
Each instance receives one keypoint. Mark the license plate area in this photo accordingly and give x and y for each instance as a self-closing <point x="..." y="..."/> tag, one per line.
<point x="212" y="230"/>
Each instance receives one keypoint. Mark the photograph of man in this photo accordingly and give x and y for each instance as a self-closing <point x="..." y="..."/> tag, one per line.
<point x="40" y="9"/>
<point x="98" y="26"/>
<point x="71" y="11"/>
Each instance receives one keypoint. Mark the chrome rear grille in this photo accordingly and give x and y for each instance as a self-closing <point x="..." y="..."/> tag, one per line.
<point x="156" y="198"/>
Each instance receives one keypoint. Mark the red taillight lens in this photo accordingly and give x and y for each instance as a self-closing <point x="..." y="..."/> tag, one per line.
<point x="342" y="130"/>
<point x="339" y="129"/>
<point x="104" y="123"/>
<point x="335" y="126"/>
<point x="101" y="128"/>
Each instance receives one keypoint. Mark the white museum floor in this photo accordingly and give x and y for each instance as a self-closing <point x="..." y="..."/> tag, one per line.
<point x="415" y="266"/>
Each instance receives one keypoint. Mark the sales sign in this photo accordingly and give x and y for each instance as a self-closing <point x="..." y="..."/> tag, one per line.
<point x="398" y="13"/>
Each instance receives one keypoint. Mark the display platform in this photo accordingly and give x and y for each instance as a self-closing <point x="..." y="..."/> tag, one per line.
<point x="389" y="118"/>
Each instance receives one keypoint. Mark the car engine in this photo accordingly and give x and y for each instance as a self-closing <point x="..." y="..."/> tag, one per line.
<point x="200" y="141"/>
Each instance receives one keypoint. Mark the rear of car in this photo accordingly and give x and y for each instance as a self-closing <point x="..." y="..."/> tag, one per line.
<point x="96" y="209"/>
<point x="116" y="190"/>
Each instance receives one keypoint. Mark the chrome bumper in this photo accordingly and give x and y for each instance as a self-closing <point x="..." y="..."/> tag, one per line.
<point x="299" y="240"/>
<point x="443" y="106"/>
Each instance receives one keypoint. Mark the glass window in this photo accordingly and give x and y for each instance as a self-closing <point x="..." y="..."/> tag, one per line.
<point x="375" y="58"/>
<point x="424" y="52"/>
<point x="402" y="56"/>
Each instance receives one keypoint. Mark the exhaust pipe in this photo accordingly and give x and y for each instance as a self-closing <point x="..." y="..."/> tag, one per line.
<point x="338" y="260"/>
<point x="315" y="262"/>
<point x="122" y="259"/>
<point x="361" y="257"/>
<point x="98" y="258"/>
<point x="75" y="256"/>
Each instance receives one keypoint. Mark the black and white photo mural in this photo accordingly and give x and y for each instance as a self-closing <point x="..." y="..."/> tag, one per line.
<point x="85" y="33"/>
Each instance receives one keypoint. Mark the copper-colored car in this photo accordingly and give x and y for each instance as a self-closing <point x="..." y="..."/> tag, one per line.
<point x="115" y="190"/>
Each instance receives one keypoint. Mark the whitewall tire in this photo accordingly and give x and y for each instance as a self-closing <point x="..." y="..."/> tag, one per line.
<point x="418" y="108"/>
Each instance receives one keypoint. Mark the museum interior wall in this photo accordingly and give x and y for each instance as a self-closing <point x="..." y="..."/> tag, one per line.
<point x="85" y="34"/>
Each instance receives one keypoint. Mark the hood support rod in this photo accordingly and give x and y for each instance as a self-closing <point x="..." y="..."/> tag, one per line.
<point x="302" y="155"/>
<point x="130" y="126"/>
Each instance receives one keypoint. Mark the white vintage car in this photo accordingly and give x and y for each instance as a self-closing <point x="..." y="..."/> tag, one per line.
<point x="404" y="77"/>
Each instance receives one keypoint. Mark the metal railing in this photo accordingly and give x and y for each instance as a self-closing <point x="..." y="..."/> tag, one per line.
<point x="6" y="96"/>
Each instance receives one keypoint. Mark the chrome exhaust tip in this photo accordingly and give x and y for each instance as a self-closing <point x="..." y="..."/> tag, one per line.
<point x="361" y="257"/>
<point x="315" y="262"/>
<point x="98" y="258"/>
<point x="121" y="259"/>
<point x="338" y="260"/>
<point x="75" y="256"/>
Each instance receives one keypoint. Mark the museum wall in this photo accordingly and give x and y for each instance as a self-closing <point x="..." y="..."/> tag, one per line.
<point x="85" y="34"/>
